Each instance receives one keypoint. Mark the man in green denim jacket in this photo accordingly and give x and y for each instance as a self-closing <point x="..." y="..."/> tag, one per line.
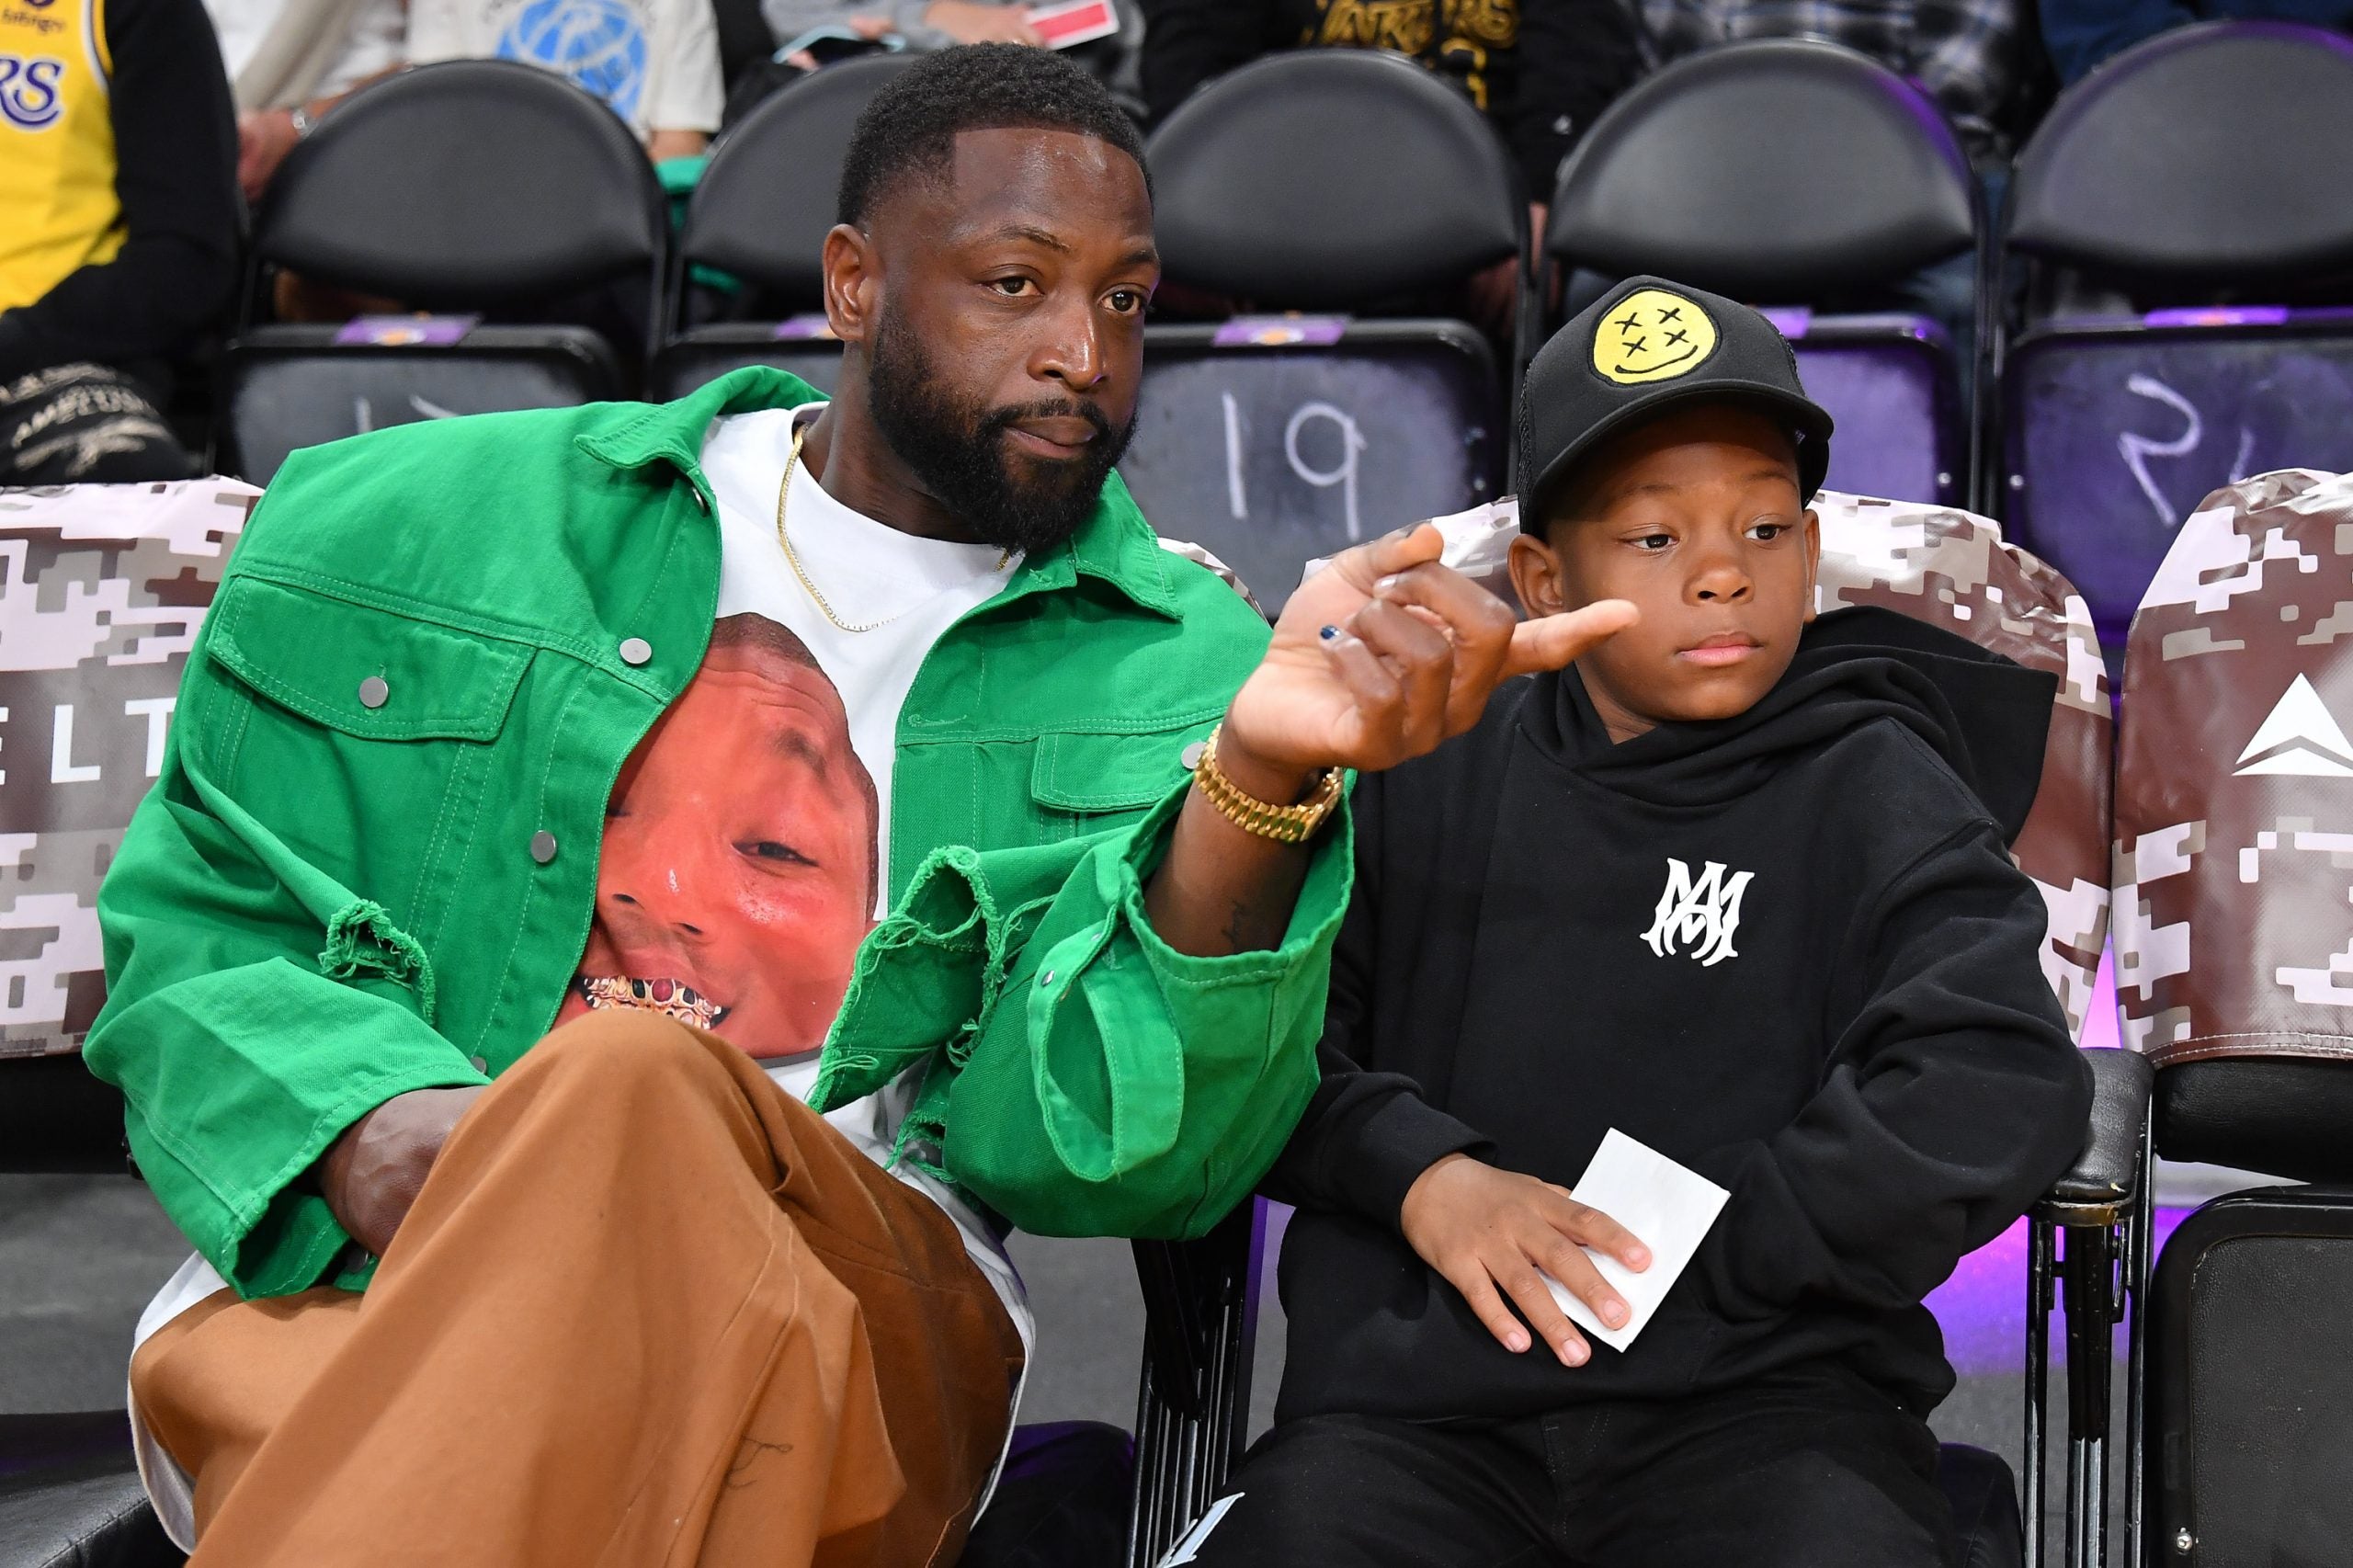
<point x="361" y="887"/>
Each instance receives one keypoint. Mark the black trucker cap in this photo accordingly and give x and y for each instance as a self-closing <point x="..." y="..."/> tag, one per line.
<point x="1647" y="347"/>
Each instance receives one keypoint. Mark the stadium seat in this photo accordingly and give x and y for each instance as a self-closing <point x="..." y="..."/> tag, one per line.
<point x="484" y="187"/>
<point x="759" y="215"/>
<point x="1333" y="181"/>
<point x="1804" y="177"/>
<point x="2232" y="931"/>
<point x="2185" y="215"/>
<point x="1954" y="570"/>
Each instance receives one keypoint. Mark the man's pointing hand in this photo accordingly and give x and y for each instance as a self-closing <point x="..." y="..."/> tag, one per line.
<point x="1386" y="652"/>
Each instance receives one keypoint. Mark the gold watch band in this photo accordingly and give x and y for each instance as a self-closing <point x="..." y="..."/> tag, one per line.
<point x="1284" y="824"/>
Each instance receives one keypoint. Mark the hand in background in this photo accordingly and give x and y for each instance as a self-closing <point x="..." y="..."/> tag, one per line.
<point x="1483" y="1229"/>
<point x="264" y="137"/>
<point x="969" y="21"/>
<point x="372" y="1174"/>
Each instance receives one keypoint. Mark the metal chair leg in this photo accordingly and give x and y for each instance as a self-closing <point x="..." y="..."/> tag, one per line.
<point x="2090" y="1280"/>
<point x="2042" y="1238"/>
<point x="2140" y="1242"/>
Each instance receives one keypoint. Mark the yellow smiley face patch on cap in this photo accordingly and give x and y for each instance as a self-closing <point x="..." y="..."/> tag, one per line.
<point x="1652" y="336"/>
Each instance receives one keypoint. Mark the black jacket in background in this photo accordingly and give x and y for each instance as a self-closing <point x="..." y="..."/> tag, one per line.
<point x="175" y="174"/>
<point x="1558" y="66"/>
<point x="1875" y="1068"/>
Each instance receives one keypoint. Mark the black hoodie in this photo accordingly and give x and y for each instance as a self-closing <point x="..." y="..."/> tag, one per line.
<point x="1833" y="1008"/>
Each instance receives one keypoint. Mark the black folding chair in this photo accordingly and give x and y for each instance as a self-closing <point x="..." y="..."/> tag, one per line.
<point x="1348" y="182"/>
<point x="759" y="215"/>
<point x="1806" y="177"/>
<point x="2185" y="220"/>
<point x="501" y="196"/>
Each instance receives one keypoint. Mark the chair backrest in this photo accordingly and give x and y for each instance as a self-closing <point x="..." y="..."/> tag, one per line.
<point x="2216" y="156"/>
<point x="1795" y="173"/>
<point x="2114" y="430"/>
<point x="1953" y="569"/>
<point x="102" y="591"/>
<point x="1782" y="170"/>
<point x="1273" y="453"/>
<point x="762" y="208"/>
<point x="468" y="184"/>
<point x="2235" y="783"/>
<point x="1328" y="180"/>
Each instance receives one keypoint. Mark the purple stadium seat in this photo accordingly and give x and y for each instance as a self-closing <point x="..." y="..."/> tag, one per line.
<point x="2141" y="383"/>
<point x="1860" y="186"/>
<point x="470" y="187"/>
<point x="1885" y="378"/>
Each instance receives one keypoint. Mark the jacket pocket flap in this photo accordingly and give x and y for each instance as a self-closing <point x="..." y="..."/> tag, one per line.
<point x="1112" y="773"/>
<point x="371" y="673"/>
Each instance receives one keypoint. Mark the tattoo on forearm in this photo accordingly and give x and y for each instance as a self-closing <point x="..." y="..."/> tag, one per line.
<point x="1251" y="929"/>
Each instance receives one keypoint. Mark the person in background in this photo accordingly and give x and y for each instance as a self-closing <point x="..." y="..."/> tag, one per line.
<point x="655" y="62"/>
<point x="2079" y="34"/>
<point x="845" y="28"/>
<point x="291" y="61"/>
<point x="118" y="231"/>
<point x="1966" y="54"/>
<point x="1543" y="70"/>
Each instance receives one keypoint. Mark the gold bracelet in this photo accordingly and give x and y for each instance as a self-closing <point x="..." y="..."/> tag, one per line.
<point x="1284" y="824"/>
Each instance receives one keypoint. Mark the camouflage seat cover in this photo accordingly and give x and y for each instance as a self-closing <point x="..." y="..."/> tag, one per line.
<point x="102" y="590"/>
<point x="2235" y="781"/>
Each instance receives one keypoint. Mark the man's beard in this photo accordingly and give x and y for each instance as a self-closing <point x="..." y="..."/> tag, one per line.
<point x="957" y="449"/>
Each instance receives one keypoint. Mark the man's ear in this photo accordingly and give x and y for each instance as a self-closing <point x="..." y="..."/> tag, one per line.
<point x="1812" y="561"/>
<point x="1536" y="577"/>
<point x="853" y="283"/>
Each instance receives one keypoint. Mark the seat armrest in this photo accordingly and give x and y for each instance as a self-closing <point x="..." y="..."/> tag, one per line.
<point x="2102" y="1184"/>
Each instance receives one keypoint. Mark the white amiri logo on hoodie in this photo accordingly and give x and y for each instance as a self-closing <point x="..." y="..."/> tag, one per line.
<point x="1699" y="915"/>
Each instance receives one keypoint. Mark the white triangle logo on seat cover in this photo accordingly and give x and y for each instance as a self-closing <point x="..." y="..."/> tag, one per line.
<point x="2299" y="737"/>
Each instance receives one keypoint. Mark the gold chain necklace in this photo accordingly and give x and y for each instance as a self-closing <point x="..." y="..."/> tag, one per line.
<point x="792" y="557"/>
<point x="784" y="487"/>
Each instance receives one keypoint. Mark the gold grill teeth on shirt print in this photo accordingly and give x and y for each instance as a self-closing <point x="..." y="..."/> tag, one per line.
<point x="679" y="1002"/>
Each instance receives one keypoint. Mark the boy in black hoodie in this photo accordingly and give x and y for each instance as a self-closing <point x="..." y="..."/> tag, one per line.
<point x="1738" y="884"/>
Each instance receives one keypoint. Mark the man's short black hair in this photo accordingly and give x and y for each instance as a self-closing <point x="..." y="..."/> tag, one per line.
<point x="909" y="128"/>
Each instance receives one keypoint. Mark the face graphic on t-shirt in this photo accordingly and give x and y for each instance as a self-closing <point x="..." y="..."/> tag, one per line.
<point x="737" y="873"/>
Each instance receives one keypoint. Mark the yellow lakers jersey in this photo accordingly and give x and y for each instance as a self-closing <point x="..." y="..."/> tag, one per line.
<point x="58" y="209"/>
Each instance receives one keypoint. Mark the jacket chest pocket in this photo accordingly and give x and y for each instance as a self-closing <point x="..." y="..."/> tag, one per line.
<point x="1084" y="782"/>
<point x="368" y="737"/>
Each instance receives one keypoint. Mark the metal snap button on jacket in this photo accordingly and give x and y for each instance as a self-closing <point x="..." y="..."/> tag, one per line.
<point x="373" y="692"/>
<point x="543" y="846"/>
<point x="1191" y="755"/>
<point x="636" y="651"/>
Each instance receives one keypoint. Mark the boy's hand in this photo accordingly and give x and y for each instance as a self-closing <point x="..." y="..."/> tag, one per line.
<point x="1483" y="1228"/>
<point x="1416" y="650"/>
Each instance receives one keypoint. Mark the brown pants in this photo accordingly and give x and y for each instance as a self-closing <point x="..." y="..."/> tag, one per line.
<point x="649" y="1309"/>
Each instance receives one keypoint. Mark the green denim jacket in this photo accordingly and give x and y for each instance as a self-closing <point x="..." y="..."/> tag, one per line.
<point x="369" y="863"/>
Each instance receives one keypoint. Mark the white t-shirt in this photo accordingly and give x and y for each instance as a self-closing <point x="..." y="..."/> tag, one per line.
<point x="656" y="61"/>
<point x="869" y="573"/>
<point x="376" y="42"/>
<point x="758" y="814"/>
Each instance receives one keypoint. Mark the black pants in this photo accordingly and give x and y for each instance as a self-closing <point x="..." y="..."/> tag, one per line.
<point x="84" y="424"/>
<point x="1810" y="1471"/>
